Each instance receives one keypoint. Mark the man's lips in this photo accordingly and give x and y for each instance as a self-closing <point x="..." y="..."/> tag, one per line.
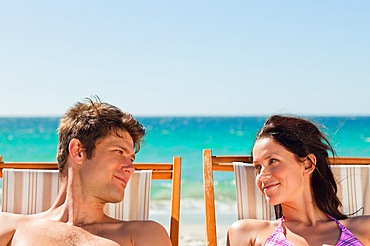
<point x="122" y="180"/>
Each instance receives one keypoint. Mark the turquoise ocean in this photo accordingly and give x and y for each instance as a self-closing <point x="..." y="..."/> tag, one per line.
<point x="35" y="139"/>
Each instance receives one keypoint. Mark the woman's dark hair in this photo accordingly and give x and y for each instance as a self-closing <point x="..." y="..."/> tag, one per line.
<point x="302" y="137"/>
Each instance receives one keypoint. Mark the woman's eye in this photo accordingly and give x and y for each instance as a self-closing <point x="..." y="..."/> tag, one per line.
<point x="257" y="168"/>
<point x="273" y="161"/>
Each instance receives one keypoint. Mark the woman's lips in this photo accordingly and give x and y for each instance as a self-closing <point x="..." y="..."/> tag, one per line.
<point x="268" y="187"/>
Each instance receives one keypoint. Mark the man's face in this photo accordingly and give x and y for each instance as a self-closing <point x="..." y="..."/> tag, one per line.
<point x="106" y="174"/>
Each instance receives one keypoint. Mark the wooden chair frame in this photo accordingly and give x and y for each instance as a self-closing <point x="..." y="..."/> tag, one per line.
<point x="225" y="164"/>
<point x="160" y="171"/>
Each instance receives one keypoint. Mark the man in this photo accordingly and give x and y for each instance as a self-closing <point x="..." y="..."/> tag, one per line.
<point x="96" y="150"/>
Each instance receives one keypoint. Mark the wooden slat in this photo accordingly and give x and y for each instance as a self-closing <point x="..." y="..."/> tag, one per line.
<point x="161" y="176"/>
<point x="349" y="161"/>
<point x="161" y="171"/>
<point x="29" y="165"/>
<point x="175" y="202"/>
<point x="225" y="159"/>
<point x="209" y="199"/>
<point x="225" y="163"/>
<point x="153" y="166"/>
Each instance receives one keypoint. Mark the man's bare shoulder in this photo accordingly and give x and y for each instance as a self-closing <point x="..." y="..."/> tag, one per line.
<point x="9" y="224"/>
<point x="12" y="220"/>
<point x="136" y="232"/>
<point x="250" y="231"/>
<point x="146" y="232"/>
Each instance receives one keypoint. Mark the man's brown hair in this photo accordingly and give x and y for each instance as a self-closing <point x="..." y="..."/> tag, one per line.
<point x="90" y="121"/>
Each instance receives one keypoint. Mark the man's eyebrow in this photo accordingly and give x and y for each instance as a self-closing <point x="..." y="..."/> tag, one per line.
<point x="124" y="149"/>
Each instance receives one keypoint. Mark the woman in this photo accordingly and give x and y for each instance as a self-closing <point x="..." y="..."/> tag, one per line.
<point x="290" y="156"/>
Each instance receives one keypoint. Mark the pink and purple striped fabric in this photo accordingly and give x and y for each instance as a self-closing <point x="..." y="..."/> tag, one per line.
<point x="346" y="237"/>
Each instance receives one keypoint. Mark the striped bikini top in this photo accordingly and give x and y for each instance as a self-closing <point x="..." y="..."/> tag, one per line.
<point x="346" y="237"/>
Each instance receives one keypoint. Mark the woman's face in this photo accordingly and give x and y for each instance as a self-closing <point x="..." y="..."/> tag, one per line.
<point x="280" y="176"/>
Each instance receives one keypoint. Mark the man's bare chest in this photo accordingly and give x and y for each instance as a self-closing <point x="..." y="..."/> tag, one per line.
<point x="56" y="233"/>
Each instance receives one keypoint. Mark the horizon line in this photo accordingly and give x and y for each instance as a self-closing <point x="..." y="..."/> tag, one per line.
<point x="203" y="115"/>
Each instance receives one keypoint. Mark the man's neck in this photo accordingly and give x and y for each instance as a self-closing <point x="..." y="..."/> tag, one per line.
<point x="74" y="207"/>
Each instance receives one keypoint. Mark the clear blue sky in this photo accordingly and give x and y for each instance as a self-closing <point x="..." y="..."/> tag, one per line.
<point x="186" y="58"/>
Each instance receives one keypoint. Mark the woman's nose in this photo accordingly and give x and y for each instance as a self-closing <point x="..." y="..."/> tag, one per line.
<point x="264" y="174"/>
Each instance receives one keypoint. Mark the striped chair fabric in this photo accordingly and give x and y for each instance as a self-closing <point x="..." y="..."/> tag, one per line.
<point x="30" y="191"/>
<point x="135" y="205"/>
<point x="353" y="191"/>
<point x="251" y="202"/>
<point x="353" y="188"/>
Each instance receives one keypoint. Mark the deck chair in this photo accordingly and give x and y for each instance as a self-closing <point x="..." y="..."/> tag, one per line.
<point x="32" y="187"/>
<point x="351" y="175"/>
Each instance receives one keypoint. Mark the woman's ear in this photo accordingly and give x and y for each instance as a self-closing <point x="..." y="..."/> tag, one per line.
<point x="310" y="163"/>
<point x="76" y="151"/>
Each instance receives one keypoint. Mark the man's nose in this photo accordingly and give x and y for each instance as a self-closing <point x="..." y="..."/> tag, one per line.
<point x="128" y="168"/>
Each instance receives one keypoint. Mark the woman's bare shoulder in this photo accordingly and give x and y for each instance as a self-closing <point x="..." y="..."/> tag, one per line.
<point x="359" y="226"/>
<point x="360" y="222"/>
<point x="254" y="224"/>
<point x="250" y="231"/>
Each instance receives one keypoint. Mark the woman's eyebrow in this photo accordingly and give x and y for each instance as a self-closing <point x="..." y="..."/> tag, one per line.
<point x="265" y="157"/>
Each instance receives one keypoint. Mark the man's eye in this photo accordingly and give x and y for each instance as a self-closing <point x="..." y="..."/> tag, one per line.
<point x="119" y="152"/>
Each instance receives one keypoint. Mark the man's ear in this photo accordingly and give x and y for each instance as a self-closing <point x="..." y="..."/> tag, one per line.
<point x="76" y="151"/>
<point x="310" y="163"/>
